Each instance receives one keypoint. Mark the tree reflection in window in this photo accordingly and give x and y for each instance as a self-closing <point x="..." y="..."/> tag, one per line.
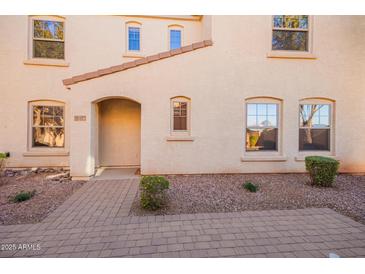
<point x="290" y="32"/>
<point x="262" y="127"/>
<point x="48" y="126"/>
<point x="48" y="39"/>
<point x="315" y="126"/>
<point x="291" y="21"/>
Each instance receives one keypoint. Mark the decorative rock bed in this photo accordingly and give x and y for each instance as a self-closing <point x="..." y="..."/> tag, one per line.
<point x="224" y="193"/>
<point x="28" y="171"/>
<point x="52" y="187"/>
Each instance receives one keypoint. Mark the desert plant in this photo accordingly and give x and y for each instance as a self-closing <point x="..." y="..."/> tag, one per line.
<point x="3" y="157"/>
<point x="253" y="140"/>
<point x="250" y="186"/>
<point x="23" y="196"/>
<point x="322" y="170"/>
<point x="153" y="191"/>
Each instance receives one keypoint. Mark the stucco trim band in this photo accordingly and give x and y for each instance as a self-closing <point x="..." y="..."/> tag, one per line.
<point x="301" y="158"/>
<point x="46" y="62"/>
<point x="45" y="154"/>
<point x="180" y="138"/>
<point x="264" y="159"/>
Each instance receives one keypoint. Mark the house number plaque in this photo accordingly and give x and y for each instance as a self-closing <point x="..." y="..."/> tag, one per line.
<point x="80" y="118"/>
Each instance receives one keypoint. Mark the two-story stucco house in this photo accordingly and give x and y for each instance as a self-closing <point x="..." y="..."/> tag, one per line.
<point x="182" y="94"/>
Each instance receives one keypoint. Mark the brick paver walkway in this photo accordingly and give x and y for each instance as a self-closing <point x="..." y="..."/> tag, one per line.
<point x="94" y="222"/>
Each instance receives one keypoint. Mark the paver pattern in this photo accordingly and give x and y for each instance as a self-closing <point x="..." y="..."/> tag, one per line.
<point x="94" y="222"/>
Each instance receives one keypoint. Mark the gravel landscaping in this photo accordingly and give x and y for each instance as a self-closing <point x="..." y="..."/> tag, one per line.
<point x="49" y="194"/>
<point x="224" y="193"/>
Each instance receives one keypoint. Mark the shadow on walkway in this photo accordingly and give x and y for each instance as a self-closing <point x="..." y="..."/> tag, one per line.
<point x="116" y="173"/>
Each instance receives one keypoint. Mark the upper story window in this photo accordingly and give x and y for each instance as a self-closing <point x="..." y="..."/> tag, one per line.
<point x="315" y="126"/>
<point x="134" y="38"/>
<point x="48" y="39"/>
<point x="133" y="30"/>
<point x="175" y="39"/>
<point x="262" y="126"/>
<point x="47" y="124"/>
<point x="290" y="32"/>
<point x="175" y="36"/>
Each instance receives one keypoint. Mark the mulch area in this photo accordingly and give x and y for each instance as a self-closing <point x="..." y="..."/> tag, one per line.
<point x="224" y="193"/>
<point x="48" y="196"/>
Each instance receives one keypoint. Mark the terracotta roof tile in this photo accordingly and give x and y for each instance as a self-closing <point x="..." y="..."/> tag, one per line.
<point x="208" y="43"/>
<point x="116" y="68"/>
<point x="139" y="62"/>
<point x="129" y="65"/>
<point x="187" y="48"/>
<point x="68" y="82"/>
<point x="91" y="75"/>
<point x="198" y="45"/>
<point x="165" y="54"/>
<point x="105" y="71"/>
<point x="176" y="51"/>
<point x="78" y="78"/>
<point x="153" y="58"/>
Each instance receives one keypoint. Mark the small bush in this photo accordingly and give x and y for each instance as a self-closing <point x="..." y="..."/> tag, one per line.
<point x="250" y="186"/>
<point x="3" y="157"/>
<point x="23" y="196"/>
<point x="322" y="170"/>
<point x="153" y="191"/>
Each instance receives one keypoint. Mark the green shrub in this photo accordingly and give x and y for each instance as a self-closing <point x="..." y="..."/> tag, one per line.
<point x="4" y="155"/>
<point x="250" y="186"/>
<point x="153" y="191"/>
<point x="23" y="196"/>
<point x="322" y="170"/>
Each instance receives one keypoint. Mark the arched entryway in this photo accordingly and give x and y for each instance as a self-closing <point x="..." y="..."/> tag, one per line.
<point x="118" y="133"/>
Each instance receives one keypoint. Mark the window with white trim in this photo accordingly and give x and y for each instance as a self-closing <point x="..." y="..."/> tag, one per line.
<point x="175" y="36"/>
<point x="47" y="124"/>
<point x="48" y="39"/>
<point x="180" y="114"/>
<point x="315" y="126"/>
<point x="262" y="130"/>
<point x="134" y="36"/>
<point x="290" y="33"/>
<point x="175" y="39"/>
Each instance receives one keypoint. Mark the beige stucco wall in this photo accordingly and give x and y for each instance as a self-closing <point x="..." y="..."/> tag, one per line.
<point x="218" y="79"/>
<point x="91" y="42"/>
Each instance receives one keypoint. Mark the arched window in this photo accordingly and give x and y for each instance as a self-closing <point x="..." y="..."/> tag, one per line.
<point x="133" y="30"/>
<point x="180" y="115"/>
<point x="175" y="36"/>
<point x="316" y="124"/>
<point x="263" y="126"/>
<point x="47" y="124"/>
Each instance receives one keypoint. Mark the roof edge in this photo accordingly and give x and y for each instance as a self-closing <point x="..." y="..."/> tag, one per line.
<point x="136" y="63"/>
